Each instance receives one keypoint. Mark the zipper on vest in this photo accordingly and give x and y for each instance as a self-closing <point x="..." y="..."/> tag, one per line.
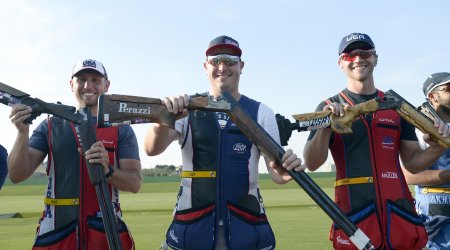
<point x="219" y="176"/>
<point x="81" y="220"/>
<point x="378" y="192"/>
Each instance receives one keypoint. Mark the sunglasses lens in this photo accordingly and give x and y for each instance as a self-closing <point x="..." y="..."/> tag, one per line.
<point x="226" y="59"/>
<point x="363" y="54"/>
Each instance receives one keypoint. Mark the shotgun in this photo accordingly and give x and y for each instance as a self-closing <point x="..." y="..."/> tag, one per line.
<point x="11" y="96"/>
<point x="271" y="149"/>
<point x="419" y="119"/>
<point x="114" y="110"/>
<point x="343" y="124"/>
<point x="86" y="134"/>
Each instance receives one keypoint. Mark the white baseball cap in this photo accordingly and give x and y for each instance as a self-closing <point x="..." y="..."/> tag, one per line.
<point x="89" y="64"/>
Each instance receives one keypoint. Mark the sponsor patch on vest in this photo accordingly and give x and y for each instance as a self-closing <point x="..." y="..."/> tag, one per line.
<point x="387" y="120"/>
<point x="389" y="175"/>
<point x="342" y="241"/>
<point x="173" y="236"/>
<point x="240" y="147"/>
<point x="387" y="142"/>
<point x="105" y="142"/>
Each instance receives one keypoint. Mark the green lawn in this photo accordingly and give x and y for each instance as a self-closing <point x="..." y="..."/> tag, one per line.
<point x="297" y="222"/>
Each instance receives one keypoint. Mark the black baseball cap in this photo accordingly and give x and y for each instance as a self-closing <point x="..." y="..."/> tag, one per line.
<point x="224" y="42"/>
<point x="355" y="41"/>
<point x="435" y="80"/>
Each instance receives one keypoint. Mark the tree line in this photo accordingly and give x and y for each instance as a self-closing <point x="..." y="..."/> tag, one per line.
<point x="161" y="170"/>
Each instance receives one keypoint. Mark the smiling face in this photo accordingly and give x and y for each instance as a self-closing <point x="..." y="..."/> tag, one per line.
<point x="223" y="76"/>
<point x="87" y="86"/>
<point x="360" y="68"/>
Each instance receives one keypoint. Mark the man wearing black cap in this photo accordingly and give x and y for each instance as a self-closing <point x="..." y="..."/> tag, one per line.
<point x="432" y="188"/>
<point x="370" y="186"/>
<point x="72" y="217"/>
<point x="219" y="205"/>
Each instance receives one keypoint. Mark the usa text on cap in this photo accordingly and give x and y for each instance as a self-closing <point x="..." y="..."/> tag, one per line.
<point x="355" y="41"/>
<point x="89" y="64"/>
<point x="224" y="42"/>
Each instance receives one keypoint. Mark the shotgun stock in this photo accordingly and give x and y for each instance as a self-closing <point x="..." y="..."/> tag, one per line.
<point x="420" y="120"/>
<point x="273" y="151"/>
<point x="114" y="110"/>
<point x="11" y="96"/>
<point x="343" y="124"/>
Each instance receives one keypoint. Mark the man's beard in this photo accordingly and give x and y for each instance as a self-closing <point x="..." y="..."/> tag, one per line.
<point x="444" y="109"/>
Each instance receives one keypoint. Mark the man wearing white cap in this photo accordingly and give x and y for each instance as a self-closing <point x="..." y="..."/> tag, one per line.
<point x="432" y="188"/>
<point x="71" y="217"/>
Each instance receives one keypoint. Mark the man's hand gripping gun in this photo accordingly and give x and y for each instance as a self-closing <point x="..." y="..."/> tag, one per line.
<point x="273" y="151"/>
<point x="120" y="109"/>
<point x="421" y="118"/>
<point x="11" y="96"/>
<point x="114" y="110"/>
<point x="85" y="130"/>
<point x="343" y="124"/>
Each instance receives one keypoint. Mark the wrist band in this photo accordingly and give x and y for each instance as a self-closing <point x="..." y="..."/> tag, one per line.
<point x="111" y="172"/>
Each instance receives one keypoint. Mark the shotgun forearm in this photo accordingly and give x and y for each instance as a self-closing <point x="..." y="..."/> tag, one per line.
<point x="116" y="109"/>
<point x="272" y="150"/>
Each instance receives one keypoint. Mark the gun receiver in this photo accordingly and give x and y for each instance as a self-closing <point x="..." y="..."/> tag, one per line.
<point x="272" y="150"/>
<point x="420" y="120"/>
<point x="114" y="110"/>
<point x="343" y="124"/>
<point x="428" y="110"/>
<point x="11" y="96"/>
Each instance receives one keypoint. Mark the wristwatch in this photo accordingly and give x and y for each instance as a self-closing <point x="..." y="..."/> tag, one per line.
<point x="111" y="172"/>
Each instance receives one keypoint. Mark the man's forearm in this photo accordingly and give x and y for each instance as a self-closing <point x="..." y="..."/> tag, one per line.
<point x="158" y="138"/>
<point x="316" y="150"/>
<point x="19" y="163"/>
<point x="127" y="178"/>
<point x="422" y="159"/>
<point x="428" y="177"/>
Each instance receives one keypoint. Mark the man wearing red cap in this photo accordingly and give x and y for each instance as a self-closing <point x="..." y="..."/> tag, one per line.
<point x="72" y="217"/>
<point x="370" y="187"/>
<point x="219" y="205"/>
<point x="432" y="186"/>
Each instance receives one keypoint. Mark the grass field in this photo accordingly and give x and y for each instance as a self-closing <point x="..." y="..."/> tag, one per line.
<point x="297" y="222"/>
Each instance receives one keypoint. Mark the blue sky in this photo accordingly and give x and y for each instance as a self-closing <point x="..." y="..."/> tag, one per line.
<point x="156" y="49"/>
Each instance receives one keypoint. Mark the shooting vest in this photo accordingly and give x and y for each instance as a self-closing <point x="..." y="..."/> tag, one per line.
<point x="219" y="187"/>
<point x="370" y="187"/>
<point x="435" y="200"/>
<point x="72" y="217"/>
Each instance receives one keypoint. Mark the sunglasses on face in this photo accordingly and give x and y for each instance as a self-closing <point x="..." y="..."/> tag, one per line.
<point x="444" y="88"/>
<point x="363" y="54"/>
<point x="228" y="60"/>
